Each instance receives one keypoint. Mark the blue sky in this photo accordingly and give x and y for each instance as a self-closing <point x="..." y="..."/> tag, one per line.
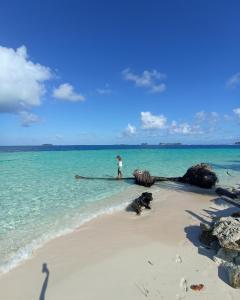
<point x="107" y="72"/>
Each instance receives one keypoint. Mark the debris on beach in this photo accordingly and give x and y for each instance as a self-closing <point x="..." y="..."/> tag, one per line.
<point x="197" y="287"/>
<point x="225" y="231"/>
<point x="143" y="178"/>
<point x="140" y="202"/>
<point x="200" y="175"/>
<point x="225" y="192"/>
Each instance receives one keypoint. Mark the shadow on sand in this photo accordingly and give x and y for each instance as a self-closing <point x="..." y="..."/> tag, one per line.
<point x="181" y="187"/>
<point x="45" y="283"/>
<point x="206" y="216"/>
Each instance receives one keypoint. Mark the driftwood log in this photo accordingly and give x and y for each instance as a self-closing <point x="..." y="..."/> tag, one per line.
<point x="224" y="192"/>
<point x="199" y="175"/>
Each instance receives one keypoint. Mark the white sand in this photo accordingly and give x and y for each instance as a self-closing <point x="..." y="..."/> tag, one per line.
<point x="123" y="256"/>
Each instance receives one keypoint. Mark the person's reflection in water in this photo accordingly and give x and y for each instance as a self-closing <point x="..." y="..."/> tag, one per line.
<point x="45" y="283"/>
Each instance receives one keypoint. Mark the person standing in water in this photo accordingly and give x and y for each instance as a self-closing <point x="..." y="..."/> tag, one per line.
<point x="120" y="164"/>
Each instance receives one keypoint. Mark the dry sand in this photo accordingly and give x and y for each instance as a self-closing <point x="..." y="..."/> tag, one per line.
<point x="123" y="256"/>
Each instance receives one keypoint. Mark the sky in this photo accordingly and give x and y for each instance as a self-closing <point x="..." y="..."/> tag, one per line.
<point x="119" y="72"/>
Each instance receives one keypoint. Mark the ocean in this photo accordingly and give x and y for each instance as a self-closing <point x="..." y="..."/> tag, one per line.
<point x="40" y="198"/>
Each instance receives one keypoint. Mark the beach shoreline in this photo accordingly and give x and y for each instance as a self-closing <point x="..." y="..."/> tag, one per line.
<point x="140" y="256"/>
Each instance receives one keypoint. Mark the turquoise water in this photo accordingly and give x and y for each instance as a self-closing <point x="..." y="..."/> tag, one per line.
<point x="40" y="199"/>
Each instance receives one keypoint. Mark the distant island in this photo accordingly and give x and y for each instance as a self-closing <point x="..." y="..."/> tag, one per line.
<point x="237" y="143"/>
<point x="162" y="144"/>
<point x="47" y="145"/>
<point x="170" y="144"/>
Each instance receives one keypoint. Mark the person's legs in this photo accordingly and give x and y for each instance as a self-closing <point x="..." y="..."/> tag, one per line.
<point x="120" y="173"/>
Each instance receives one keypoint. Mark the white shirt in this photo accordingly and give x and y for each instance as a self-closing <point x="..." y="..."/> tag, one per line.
<point x="120" y="164"/>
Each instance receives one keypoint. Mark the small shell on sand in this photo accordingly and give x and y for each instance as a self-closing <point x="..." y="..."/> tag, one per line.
<point x="178" y="259"/>
<point x="183" y="284"/>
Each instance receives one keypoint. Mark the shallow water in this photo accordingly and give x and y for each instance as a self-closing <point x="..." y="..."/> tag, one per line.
<point x="40" y="199"/>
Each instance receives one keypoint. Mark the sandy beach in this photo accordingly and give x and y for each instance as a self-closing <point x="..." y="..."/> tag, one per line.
<point x="124" y="256"/>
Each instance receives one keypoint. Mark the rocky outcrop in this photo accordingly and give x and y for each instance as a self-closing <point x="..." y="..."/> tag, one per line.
<point x="230" y="260"/>
<point x="206" y="237"/>
<point x="226" y="232"/>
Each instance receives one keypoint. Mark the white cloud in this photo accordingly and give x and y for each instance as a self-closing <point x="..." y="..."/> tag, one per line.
<point x="236" y="111"/>
<point x="184" y="128"/>
<point x="28" y="118"/>
<point x="21" y="80"/>
<point x="233" y="81"/>
<point x="150" y="121"/>
<point x="151" y="80"/>
<point x="214" y="117"/>
<point x="104" y="91"/>
<point x="200" y="116"/>
<point x="227" y="117"/>
<point x="130" y="130"/>
<point x="66" y="92"/>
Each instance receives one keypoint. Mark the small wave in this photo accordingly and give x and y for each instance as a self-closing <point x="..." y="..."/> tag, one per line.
<point x="27" y="252"/>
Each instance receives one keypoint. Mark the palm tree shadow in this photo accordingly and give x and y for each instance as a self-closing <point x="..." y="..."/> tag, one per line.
<point x="45" y="283"/>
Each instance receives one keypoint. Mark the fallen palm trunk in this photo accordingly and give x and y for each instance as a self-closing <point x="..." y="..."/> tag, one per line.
<point x="103" y="178"/>
<point x="199" y="175"/>
<point x="144" y="178"/>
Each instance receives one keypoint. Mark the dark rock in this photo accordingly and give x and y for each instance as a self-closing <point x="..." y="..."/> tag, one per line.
<point x="236" y="214"/>
<point x="206" y="237"/>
